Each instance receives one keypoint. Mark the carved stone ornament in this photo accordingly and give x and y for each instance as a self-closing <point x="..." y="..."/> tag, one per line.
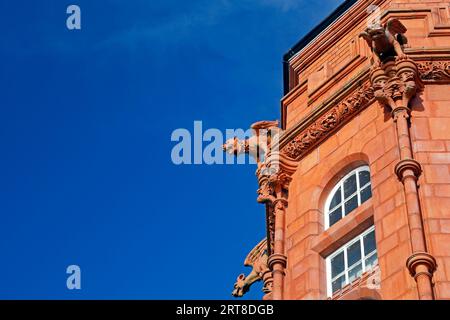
<point x="257" y="259"/>
<point x="259" y="144"/>
<point x="396" y="83"/>
<point x="409" y="75"/>
<point x="434" y="70"/>
<point x="270" y="224"/>
<point x="324" y="125"/>
<point x="273" y="173"/>
<point x="385" y="41"/>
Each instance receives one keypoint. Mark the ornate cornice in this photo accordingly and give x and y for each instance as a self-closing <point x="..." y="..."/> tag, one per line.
<point x="355" y="97"/>
<point x="337" y="115"/>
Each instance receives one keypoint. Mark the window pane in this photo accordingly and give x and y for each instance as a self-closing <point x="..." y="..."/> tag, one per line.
<point x="364" y="178"/>
<point x="350" y="186"/>
<point x="355" y="272"/>
<point x="338" y="283"/>
<point x="366" y="194"/>
<point x="351" y="204"/>
<point x="353" y="253"/>
<point x="369" y="243"/>
<point x="336" y="199"/>
<point x="371" y="261"/>
<point x="337" y="264"/>
<point x="335" y="216"/>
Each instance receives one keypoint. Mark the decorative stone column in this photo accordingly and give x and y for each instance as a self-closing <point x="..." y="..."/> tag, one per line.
<point x="395" y="84"/>
<point x="278" y="260"/>
<point x="282" y="168"/>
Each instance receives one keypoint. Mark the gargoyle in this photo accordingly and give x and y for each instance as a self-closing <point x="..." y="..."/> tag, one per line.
<point x="257" y="259"/>
<point x="385" y="41"/>
<point x="257" y="145"/>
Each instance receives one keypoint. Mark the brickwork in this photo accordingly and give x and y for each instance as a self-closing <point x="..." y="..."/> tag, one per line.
<point x="323" y="69"/>
<point x="339" y="55"/>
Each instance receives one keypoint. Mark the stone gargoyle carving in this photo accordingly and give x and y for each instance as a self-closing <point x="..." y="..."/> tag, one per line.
<point x="385" y="41"/>
<point x="256" y="145"/>
<point x="257" y="259"/>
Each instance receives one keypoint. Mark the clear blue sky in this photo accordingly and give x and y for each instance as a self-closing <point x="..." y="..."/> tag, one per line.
<point x="86" y="176"/>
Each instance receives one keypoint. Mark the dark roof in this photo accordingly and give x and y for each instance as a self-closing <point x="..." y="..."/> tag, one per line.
<point x="310" y="36"/>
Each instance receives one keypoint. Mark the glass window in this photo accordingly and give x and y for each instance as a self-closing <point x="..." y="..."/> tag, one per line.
<point x="336" y="200"/>
<point x="351" y="261"/>
<point x="337" y="265"/>
<point x="351" y="204"/>
<point x="364" y="178"/>
<point x="348" y="194"/>
<point x="366" y="193"/>
<point x="350" y="186"/>
<point x="335" y="216"/>
<point x="354" y="253"/>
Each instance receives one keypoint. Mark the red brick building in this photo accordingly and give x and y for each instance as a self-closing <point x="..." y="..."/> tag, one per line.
<point x="358" y="201"/>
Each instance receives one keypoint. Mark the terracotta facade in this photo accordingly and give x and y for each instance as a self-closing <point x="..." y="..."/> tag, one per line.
<point x="342" y="112"/>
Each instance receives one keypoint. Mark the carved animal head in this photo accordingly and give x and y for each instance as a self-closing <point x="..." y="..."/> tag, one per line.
<point x="240" y="287"/>
<point x="376" y="31"/>
<point x="234" y="146"/>
<point x="382" y="37"/>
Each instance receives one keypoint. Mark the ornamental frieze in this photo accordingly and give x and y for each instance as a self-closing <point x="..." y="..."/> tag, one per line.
<point x="434" y="70"/>
<point x="325" y="124"/>
<point x="318" y="130"/>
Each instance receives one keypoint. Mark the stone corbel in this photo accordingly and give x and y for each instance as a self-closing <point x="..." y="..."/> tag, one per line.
<point x="395" y="83"/>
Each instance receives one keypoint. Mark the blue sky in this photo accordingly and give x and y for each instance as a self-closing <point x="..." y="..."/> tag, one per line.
<point x="86" y="117"/>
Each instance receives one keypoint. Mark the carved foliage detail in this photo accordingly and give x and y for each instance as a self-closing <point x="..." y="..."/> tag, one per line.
<point x="329" y="121"/>
<point x="434" y="70"/>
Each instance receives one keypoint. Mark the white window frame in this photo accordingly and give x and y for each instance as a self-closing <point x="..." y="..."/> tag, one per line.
<point x="359" y="238"/>
<point x="341" y="185"/>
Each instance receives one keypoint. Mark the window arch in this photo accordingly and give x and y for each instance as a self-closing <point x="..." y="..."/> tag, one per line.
<point x="348" y="194"/>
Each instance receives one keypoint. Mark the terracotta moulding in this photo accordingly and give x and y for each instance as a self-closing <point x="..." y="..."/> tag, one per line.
<point x="395" y="83"/>
<point x="274" y="170"/>
<point x="257" y="259"/>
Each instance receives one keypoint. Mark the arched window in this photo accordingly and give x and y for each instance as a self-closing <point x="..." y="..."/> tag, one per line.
<point x="348" y="194"/>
